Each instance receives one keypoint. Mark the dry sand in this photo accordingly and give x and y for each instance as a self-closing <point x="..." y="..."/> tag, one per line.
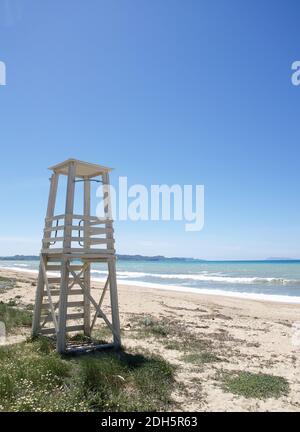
<point x="247" y="335"/>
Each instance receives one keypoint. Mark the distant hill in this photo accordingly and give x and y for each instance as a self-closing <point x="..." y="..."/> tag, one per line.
<point x="122" y="257"/>
<point x="20" y="258"/>
<point x="155" y="258"/>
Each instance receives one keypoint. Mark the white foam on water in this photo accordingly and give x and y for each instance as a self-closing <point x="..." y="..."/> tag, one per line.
<point x="217" y="292"/>
<point x="204" y="277"/>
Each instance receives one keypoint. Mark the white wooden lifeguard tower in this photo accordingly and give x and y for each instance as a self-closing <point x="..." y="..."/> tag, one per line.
<point x="71" y="243"/>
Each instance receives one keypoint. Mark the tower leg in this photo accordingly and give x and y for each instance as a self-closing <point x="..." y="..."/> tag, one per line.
<point x="62" y="315"/>
<point x="64" y="283"/>
<point x="87" y="303"/>
<point x="114" y="302"/>
<point x="40" y="284"/>
<point x="87" y="273"/>
<point x="36" y="322"/>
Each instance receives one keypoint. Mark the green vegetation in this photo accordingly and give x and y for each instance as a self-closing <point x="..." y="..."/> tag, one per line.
<point x="6" y="284"/>
<point x="5" y="279"/>
<point x="13" y="317"/>
<point x="200" y="358"/>
<point x="251" y="385"/>
<point x="149" y="326"/>
<point x="34" y="378"/>
<point x="175" y="336"/>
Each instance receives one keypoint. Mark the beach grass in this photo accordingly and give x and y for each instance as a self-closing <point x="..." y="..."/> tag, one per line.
<point x="148" y="326"/>
<point x="33" y="377"/>
<point x="14" y="317"/>
<point x="6" y="284"/>
<point x="255" y="385"/>
<point x="201" y="358"/>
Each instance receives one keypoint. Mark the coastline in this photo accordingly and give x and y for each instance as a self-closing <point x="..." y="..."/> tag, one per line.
<point x="272" y="298"/>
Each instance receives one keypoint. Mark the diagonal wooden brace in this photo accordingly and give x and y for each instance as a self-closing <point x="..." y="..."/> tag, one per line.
<point x="100" y="301"/>
<point x="100" y="313"/>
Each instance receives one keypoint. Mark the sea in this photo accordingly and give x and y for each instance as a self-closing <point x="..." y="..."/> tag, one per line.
<point x="263" y="280"/>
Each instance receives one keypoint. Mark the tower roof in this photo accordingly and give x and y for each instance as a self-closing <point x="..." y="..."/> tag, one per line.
<point x="83" y="169"/>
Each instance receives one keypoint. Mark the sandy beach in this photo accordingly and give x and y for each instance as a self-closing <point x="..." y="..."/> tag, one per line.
<point x="243" y="335"/>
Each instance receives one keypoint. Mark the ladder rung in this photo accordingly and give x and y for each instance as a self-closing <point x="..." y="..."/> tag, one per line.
<point x="48" y="330"/>
<point x="69" y="304"/>
<point x="51" y="330"/>
<point x="47" y="318"/>
<point x="57" y="292"/>
<point x="56" y="251"/>
<point x="91" y="240"/>
<point x="54" y="280"/>
<point x="74" y="328"/>
<point x="75" y="304"/>
<point x="58" y="267"/>
<point x="74" y="316"/>
<point x="96" y="230"/>
<point x="71" y="316"/>
<point x="54" y="259"/>
<point x="91" y="251"/>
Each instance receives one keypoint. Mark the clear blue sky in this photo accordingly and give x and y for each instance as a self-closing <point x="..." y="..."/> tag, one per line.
<point x="165" y="91"/>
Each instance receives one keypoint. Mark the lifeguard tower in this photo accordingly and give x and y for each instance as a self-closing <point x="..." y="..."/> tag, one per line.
<point x="71" y="243"/>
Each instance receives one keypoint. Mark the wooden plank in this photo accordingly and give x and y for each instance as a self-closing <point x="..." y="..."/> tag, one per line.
<point x="69" y="329"/>
<point x="87" y="273"/>
<point x="46" y="319"/>
<point x="52" y="239"/>
<point x="114" y="302"/>
<point x="105" y="221"/>
<point x="57" y="292"/>
<point x="75" y="303"/>
<point x="54" y="258"/>
<point x="54" y="228"/>
<point x="38" y="301"/>
<point x="58" y="267"/>
<point x="92" y="230"/>
<point x="95" y="231"/>
<point x="77" y="239"/>
<point x="69" y="304"/>
<point x="94" y="240"/>
<point x="88" y="218"/>
<point x="75" y="316"/>
<point x="92" y="251"/>
<point x="54" y="218"/>
<point x="46" y="331"/>
<point x="62" y="227"/>
<point x="57" y="251"/>
<point x="76" y="217"/>
<point x="74" y="328"/>
<point x="71" y="316"/>
<point x="60" y="251"/>
<point x="53" y="280"/>
<point x="88" y="348"/>
<point x="112" y="276"/>
<point x="56" y="281"/>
